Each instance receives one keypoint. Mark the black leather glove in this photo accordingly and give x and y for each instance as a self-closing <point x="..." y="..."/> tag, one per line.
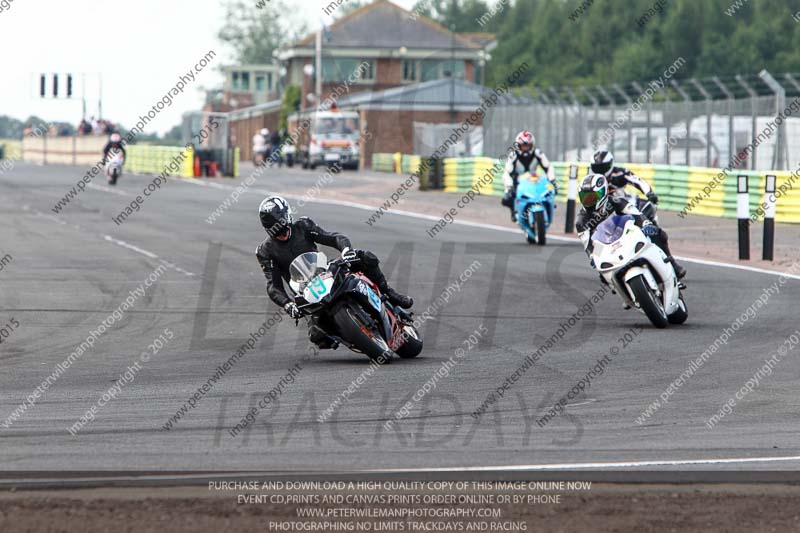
<point x="292" y="310"/>
<point x="652" y="197"/>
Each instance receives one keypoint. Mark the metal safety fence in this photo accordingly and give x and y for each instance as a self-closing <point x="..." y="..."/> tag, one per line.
<point x="747" y="123"/>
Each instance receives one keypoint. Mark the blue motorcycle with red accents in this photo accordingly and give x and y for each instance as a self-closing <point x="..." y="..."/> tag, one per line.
<point x="534" y="206"/>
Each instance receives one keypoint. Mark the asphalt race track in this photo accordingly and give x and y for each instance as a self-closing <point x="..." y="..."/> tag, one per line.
<point x="72" y="270"/>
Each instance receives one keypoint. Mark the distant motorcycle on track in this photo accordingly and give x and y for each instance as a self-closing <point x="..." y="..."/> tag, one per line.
<point x="350" y="308"/>
<point x="638" y="271"/>
<point x="114" y="168"/>
<point x="534" y="205"/>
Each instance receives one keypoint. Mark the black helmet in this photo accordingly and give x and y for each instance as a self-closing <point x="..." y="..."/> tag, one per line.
<point x="602" y="162"/>
<point x="276" y="215"/>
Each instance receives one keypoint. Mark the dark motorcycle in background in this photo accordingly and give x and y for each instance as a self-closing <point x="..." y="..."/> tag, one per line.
<point x="348" y="307"/>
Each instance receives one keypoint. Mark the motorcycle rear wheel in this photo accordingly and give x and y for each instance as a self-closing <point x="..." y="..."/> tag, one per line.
<point x="363" y="336"/>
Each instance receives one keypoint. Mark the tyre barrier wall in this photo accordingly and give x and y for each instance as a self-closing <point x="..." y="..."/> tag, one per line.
<point x="409" y="164"/>
<point x="383" y="162"/>
<point x="430" y="171"/>
<point x="702" y="191"/>
<point x="679" y="188"/>
<point x="145" y="159"/>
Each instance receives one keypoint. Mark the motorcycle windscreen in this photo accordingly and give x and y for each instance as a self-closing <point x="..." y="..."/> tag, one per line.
<point x="307" y="266"/>
<point x="611" y="229"/>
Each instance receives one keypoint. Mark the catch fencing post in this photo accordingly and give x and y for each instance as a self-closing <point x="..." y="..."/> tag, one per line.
<point x="769" y="219"/>
<point x="572" y="193"/>
<point x="743" y="214"/>
<point x="753" y="117"/>
<point x="629" y="122"/>
<point x="709" y="111"/>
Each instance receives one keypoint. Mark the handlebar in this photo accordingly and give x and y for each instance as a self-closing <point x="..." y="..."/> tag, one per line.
<point x="339" y="261"/>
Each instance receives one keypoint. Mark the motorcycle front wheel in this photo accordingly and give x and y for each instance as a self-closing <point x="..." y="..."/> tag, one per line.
<point x="413" y="345"/>
<point x="679" y="316"/>
<point x="541" y="228"/>
<point x="649" y="302"/>
<point x="363" y="336"/>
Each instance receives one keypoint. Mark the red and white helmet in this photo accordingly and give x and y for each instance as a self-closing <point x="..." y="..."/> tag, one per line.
<point x="115" y="138"/>
<point x="524" y="142"/>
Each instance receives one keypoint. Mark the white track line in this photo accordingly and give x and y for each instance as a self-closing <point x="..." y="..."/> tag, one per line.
<point x="136" y="249"/>
<point x="49" y="217"/>
<point x="151" y="255"/>
<point x="107" y="189"/>
<point x="587" y="466"/>
<point x="118" y="242"/>
<point x="422" y="216"/>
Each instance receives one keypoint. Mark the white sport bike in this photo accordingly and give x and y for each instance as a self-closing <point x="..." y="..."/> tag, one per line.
<point x="638" y="271"/>
<point x="114" y="167"/>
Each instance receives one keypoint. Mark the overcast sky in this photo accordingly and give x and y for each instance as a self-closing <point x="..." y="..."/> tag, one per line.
<point x="141" y="47"/>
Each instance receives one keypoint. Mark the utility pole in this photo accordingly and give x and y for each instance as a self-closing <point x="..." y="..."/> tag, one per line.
<point x="453" y="73"/>
<point x="100" y="96"/>
<point x="318" y="68"/>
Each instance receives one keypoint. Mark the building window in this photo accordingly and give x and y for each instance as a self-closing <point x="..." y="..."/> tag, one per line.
<point x="436" y="69"/>
<point x="241" y="81"/>
<point x="261" y="83"/>
<point x="342" y="69"/>
<point x="410" y="70"/>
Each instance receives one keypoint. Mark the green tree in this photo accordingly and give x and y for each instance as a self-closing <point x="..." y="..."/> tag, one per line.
<point x="10" y="128"/>
<point x="463" y="15"/>
<point x="349" y="6"/>
<point x="254" y="32"/>
<point x="291" y="103"/>
<point x="619" y="41"/>
<point x="174" y="137"/>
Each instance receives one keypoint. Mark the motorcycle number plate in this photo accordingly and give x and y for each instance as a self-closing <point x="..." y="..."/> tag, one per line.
<point x="317" y="289"/>
<point x="374" y="299"/>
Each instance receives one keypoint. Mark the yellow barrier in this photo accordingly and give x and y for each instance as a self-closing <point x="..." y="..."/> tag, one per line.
<point x="397" y="159"/>
<point x="158" y="159"/>
<point x="681" y="189"/>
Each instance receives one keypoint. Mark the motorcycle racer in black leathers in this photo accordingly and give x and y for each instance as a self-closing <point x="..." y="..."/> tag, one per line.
<point x="288" y="239"/>
<point x="598" y="204"/>
<point x="620" y="177"/>
<point x="114" y="143"/>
